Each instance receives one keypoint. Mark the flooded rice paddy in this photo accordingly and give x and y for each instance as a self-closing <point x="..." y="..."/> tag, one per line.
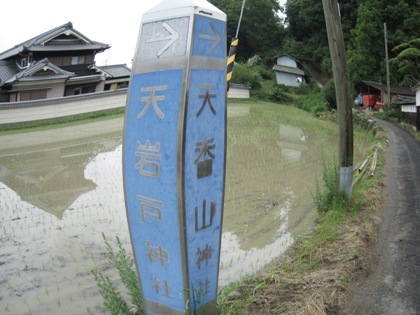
<point x="61" y="188"/>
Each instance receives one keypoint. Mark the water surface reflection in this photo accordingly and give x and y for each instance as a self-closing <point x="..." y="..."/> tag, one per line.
<point x="51" y="176"/>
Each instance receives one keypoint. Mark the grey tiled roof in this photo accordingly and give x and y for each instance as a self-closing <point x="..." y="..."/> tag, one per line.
<point x="393" y="88"/>
<point x="7" y="70"/>
<point x="286" y="69"/>
<point x="34" y="73"/>
<point x="239" y="86"/>
<point x="115" y="71"/>
<point x="85" y="79"/>
<point x="41" y="42"/>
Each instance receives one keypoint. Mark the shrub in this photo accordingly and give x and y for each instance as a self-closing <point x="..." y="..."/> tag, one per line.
<point x="329" y="94"/>
<point x="313" y="103"/>
<point x="244" y="74"/>
<point x="264" y="72"/>
<point x="391" y="113"/>
<point x="278" y="94"/>
<point x="304" y="89"/>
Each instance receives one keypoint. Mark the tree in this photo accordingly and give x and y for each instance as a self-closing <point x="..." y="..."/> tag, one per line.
<point x="407" y="62"/>
<point x="366" y="53"/>
<point x="261" y="32"/>
<point x="308" y="36"/>
<point x="367" y="48"/>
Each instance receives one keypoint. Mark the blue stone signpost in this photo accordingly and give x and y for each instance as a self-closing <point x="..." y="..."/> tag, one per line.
<point x="174" y="155"/>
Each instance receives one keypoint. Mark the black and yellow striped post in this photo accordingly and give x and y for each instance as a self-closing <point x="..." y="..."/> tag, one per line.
<point x="231" y="60"/>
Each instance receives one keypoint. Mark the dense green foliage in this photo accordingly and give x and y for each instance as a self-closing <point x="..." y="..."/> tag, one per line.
<point x="407" y="62"/>
<point x="329" y="94"/>
<point x="307" y="33"/>
<point x="367" y="50"/>
<point x="261" y="31"/>
<point x="302" y="34"/>
<point x="245" y="74"/>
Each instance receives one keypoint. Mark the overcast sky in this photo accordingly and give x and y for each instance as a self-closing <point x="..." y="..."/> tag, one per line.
<point x="111" y="22"/>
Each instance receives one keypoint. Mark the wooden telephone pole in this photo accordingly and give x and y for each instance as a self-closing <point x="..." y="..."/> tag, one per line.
<point x="342" y="90"/>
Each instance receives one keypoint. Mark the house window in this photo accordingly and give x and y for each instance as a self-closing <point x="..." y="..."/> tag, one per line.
<point x="88" y="89"/>
<point x="66" y="61"/>
<point x="13" y="97"/>
<point x="25" y="62"/>
<point x="78" y="60"/>
<point x="33" y="95"/>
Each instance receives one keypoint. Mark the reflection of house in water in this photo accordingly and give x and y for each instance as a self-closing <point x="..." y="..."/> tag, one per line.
<point x="292" y="142"/>
<point x="50" y="176"/>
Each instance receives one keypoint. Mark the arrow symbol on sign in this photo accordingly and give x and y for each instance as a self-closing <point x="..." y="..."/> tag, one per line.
<point x="172" y="38"/>
<point x="215" y="38"/>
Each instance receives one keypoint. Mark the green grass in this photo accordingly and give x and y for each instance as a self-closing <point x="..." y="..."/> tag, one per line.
<point x="326" y="232"/>
<point x="410" y="130"/>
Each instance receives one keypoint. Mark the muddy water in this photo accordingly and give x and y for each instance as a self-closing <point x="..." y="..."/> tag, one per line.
<point x="61" y="188"/>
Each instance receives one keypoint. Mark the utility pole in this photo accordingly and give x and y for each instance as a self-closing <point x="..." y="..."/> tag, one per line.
<point x="388" y="87"/>
<point x="233" y="48"/>
<point x="342" y="90"/>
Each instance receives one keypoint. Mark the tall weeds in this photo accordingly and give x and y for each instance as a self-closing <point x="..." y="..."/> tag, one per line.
<point x="329" y="197"/>
<point x="113" y="300"/>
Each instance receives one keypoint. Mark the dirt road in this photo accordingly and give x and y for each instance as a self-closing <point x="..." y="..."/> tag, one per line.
<point x="393" y="286"/>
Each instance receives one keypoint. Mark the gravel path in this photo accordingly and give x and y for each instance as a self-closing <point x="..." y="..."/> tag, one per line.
<point x="393" y="286"/>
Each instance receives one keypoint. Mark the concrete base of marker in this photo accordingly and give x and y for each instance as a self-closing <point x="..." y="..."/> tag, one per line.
<point x="346" y="180"/>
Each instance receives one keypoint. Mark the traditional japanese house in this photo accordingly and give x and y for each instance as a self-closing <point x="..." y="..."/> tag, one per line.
<point x="57" y="63"/>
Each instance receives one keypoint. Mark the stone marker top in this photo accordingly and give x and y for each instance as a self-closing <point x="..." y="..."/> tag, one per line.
<point x="184" y="7"/>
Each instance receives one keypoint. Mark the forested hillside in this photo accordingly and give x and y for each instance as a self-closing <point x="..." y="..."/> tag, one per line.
<point x="301" y="33"/>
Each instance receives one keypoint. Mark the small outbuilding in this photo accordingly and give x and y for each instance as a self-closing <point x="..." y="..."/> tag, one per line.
<point x="237" y="90"/>
<point x="374" y="93"/>
<point x="288" y="71"/>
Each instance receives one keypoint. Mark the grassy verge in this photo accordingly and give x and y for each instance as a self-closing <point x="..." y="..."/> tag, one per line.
<point x="315" y="274"/>
<point x="410" y="129"/>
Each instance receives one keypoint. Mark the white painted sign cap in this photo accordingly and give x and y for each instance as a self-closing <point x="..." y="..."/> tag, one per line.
<point x="184" y="7"/>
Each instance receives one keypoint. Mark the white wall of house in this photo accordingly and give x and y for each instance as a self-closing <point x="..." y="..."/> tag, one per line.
<point x="288" y="79"/>
<point x="56" y="90"/>
<point x="409" y="108"/>
<point x="100" y="87"/>
<point x="53" y="89"/>
<point x="235" y="92"/>
<point x="286" y="61"/>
